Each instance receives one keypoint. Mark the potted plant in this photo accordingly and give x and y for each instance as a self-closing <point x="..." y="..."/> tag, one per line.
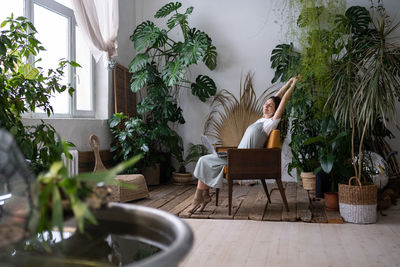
<point x="304" y="126"/>
<point x="25" y="88"/>
<point x="116" y="234"/>
<point x="363" y="89"/>
<point x="159" y="71"/>
<point x="332" y="155"/>
<point x="193" y="154"/>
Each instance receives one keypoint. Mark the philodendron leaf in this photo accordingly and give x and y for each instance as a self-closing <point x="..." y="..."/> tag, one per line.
<point x="145" y="35"/>
<point x="327" y="162"/>
<point x="173" y="72"/>
<point x="139" y="80"/>
<point x="204" y="87"/>
<point x="167" y="9"/>
<point x="138" y="63"/>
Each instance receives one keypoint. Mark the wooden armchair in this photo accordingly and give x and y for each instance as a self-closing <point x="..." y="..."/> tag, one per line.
<point x="255" y="164"/>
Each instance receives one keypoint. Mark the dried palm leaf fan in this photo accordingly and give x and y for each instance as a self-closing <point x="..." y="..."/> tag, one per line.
<point x="229" y="118"/>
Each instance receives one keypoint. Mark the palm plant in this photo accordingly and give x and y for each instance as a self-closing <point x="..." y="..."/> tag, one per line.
<point x="229" y="123"/>
<point x="367" y="77"/>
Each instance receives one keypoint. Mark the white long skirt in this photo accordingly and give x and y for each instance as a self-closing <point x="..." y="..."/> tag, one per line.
<point x="210" y="170"/>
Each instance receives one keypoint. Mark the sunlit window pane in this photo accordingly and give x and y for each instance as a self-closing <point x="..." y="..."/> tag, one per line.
<point x="7" y="7"/>
<point x="83" y="89"/>
<point x="53" y="33"/>
<point x="67" y="3"/>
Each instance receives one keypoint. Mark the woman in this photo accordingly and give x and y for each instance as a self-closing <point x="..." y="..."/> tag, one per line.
<point x="210" y="168"/>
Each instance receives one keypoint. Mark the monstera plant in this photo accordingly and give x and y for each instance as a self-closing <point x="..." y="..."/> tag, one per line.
<point x="160" y="67"/>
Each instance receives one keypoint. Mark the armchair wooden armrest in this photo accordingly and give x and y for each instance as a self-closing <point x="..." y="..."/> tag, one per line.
<point x="220" y="148"/>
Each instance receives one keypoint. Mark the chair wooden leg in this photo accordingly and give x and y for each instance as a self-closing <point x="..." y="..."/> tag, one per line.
<point x="216" y="196"/>
<point x="230" y="183"/>
<point x="265" y="189"/>
<point x="282" y="191"/>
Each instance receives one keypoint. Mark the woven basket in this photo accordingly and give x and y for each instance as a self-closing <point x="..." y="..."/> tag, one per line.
<point x="357" y="203"/>
<point x="182" y="178"/>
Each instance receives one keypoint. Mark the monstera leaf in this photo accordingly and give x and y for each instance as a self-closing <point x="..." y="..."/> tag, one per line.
<point x="194" y="48"/>
<point x="283" y="59"/>
<point x="204" y="87"/>
<point x="138" y="63"/>
<point x="167" y="9"/>
<point x="210" y="58"/>
<point x="139" y="80"/>
<point x="146" y="35"/>
<point x="173" y="72"/>
<point x="356" y="19"/>
<point x="177" y="19"/>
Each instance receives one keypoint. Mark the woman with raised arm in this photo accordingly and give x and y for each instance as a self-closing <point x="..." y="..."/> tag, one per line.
<point x="210" y="168"/>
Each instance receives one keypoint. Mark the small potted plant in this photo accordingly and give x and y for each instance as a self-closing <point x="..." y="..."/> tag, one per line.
<point x="193" y="154"/>
<point x="107" y="233"/>
<point x="332" y="157"/>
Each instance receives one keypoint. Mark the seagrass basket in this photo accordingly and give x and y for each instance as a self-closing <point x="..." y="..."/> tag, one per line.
<point x="357" y="203"/>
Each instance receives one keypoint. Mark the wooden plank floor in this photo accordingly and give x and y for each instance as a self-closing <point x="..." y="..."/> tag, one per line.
<point x="248" y="203"/>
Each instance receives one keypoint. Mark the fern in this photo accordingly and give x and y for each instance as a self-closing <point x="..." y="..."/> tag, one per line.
<point x="167" y="9"/>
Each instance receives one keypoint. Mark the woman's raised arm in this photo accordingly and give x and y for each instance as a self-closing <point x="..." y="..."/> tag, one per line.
<point x="284" y="88"/>
<point x="285" y="99"/>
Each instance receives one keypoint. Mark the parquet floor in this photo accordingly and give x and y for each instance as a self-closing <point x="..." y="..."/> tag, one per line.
<point x="249" y="203"/>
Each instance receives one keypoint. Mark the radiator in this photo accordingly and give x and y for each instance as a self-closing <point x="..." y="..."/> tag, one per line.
<point x="71" y="164"/>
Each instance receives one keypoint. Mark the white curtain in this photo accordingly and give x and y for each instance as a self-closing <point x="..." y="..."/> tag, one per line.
<point x="98" y="22"/>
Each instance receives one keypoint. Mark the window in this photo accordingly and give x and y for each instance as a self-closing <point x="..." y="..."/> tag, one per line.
<point x="57" y="30"/>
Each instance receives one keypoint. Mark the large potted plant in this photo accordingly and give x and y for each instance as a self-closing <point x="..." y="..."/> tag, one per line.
<point x="159" y="71"/>
<point x="25" y="88"/>
<point x="364" y="89"/>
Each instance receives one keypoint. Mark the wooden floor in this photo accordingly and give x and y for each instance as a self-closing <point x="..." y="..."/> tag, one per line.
<point x="248" y="243"/>
<point x="249" y="203"/>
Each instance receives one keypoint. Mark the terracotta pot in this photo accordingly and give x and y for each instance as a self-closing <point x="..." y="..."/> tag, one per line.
<point x="308" y="179"/>
<point x="331" y="201"/>
<point x="182" y="178"/>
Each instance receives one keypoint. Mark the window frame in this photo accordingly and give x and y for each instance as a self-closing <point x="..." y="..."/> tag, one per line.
<point x="68" y="13"/>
